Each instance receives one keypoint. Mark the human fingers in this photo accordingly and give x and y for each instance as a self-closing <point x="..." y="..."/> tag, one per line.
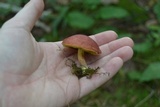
<point x="111" y="68"/>
<point x="109" y="48"/>
<point x="109" y="65"/>
<point x="125" y="53"/>
<point x="115" y="45"/>
<point x="27" y="17"/>
<point x="104" y="37"/>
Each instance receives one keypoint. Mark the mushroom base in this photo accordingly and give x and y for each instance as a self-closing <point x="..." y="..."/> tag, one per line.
<point x="81" y="71"/>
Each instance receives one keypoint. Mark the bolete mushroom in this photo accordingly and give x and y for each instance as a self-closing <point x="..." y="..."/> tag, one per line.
<point x="84" y="44"/>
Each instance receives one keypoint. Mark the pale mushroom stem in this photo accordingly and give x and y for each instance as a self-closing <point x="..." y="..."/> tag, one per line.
<point x="81" y="58"/>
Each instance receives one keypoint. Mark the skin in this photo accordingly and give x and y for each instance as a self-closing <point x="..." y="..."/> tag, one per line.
<point x="34" y="74"/>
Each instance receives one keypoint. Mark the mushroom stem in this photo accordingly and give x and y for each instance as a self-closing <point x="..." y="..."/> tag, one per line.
<point x="81" y="58"/>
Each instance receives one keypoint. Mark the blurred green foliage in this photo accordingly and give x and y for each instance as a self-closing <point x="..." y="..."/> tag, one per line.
<point x="137" y="83"/>
<point x="79" y="20"/>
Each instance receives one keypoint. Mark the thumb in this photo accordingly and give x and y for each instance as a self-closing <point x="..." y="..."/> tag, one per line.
<point x="27" y="17"/>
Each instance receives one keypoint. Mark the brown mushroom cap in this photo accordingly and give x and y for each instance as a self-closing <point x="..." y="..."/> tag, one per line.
<point x="83" y="42"/>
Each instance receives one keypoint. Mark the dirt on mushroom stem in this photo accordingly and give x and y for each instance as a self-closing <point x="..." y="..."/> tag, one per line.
<point x="81" y="71"/>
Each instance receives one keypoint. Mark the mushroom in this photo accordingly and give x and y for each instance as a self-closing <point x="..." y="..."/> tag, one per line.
<point x="84" y="44"/>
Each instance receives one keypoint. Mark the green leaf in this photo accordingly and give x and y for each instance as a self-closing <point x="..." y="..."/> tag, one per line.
<point x="137" y="13"/>
<point x="91" y="4"/>
<point x="143" y="47"/>
<point x="157" y="39"/>
<point x="79" y="20"/>
<point x="156" y="10"/>
<point x="155" y="32"/>
<point x="134" y="75"/>
<point x="152" y="72"/>
<point x="154" y="28"/>
<point x="112" y="12"/>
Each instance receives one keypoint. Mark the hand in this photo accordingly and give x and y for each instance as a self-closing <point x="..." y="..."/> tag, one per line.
<point x="35" y="74"/>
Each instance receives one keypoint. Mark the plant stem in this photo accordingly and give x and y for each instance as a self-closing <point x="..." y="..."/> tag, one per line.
<point x="145" y="99"/>
<point x="81" y="58"/>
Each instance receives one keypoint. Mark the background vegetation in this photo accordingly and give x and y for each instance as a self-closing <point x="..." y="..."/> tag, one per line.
<point x="137" y="83"/>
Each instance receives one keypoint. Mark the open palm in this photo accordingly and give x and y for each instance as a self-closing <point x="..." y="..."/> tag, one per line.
<point x="35" y="74"/>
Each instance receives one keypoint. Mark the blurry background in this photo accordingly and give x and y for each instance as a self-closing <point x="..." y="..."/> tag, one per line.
<point x="137" y="83"/>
